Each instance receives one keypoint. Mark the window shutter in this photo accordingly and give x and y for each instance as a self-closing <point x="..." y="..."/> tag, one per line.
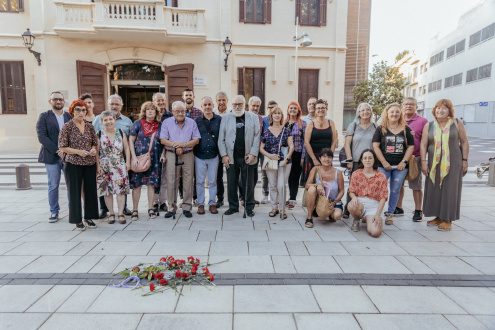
<point x="323" y="12"/>
<point x="268" y="11"/>
<point x="240" y="81"/>
<point x="298" y="11"/>
<point x="91" y="78"/>
<point x="242" y="10"/>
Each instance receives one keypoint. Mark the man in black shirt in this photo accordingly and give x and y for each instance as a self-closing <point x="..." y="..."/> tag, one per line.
<point x="239" y="144"/>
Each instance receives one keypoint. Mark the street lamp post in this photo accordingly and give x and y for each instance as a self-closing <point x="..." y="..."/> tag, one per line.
<point x="28" y="39"/>
<point x="304" y="43"/>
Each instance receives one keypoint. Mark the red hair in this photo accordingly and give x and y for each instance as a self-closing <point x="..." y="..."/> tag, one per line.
<point x="298" y="116"/>
<point x="77" y="103"/>
<point x="444" y="102"/>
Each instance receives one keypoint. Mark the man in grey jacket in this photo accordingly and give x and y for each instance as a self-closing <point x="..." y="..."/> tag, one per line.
<point x="239" y="145"/>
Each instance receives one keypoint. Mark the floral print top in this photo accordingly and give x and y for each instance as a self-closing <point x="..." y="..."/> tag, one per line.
<point x="70" y="136"/>
<point x="374" y="187"/>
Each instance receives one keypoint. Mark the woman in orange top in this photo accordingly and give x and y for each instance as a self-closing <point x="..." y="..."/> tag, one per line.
<point x="368" y="191"/>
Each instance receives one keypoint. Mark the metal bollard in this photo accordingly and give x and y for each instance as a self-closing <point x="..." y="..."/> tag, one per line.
<point x="22" y="177"/>
<point x="491" y="174"/>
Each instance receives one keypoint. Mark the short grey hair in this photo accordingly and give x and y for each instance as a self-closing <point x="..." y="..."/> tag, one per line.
<point x="357" y="120"/>
<point x="241" y="96"/>
<point x="254" y="99"/>
<point x="410" y="98"/>
<point x="222" y="93"/>
<point x="107" y="113"/>
<point x="115" y="96"/>
<point x="206" y="97"/>
<point x="178" y="103"/>
<point x="158" y="94"/>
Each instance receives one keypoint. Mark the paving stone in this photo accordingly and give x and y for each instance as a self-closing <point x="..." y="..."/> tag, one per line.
<point x="314" y="264"/>
<point x="47" y="281"/>
<point x="268" y="248"/>
<point x="72" y="281"/>
<point x="264" y="321"/>
<point x="15" y="263"/>
<point x="488" y="321"/>
<point x="121" y="248"/>
<point x="238" y="225"/>
<point x="478" y="249"/>
<point x="363" y="236"/>
<point x="180" y="248"/>
<point x="171" y="236"/>
<point x="345" y="282"/>
<point x="18" y="298"/>
<point x="241" y="236"/>
<point x="52" y="300"/>
<point x="325" y="249"/>
<point x="22" y="321"/>
<point x="47" y="264"/>
<point x="448" y="265"/>
<point x="371" y="264"/>
<point x="201" y="300"/>
<point x="277" y="224"/>
<point x="322" y="321"/>
<point x="6" y="248"/>
<point x="373" y="248"/>
<point x="5" y="281"/>
<point x="336" y="235"/>
<point x="283" y="264"/>
<point x="84" y="264"/>
<point x="402" y="321"/>
<point x="81" y="299"/>
<point x="420" y="300"/>
<point x="241" y="264"/>
<point x="207" y="235"/>
<point x="465" y="322"/>
<point x="107" y="264"/>
<point x="186" y="321"/>
<point x="486" y="265"/>
<point x="433" y="249"/>
<point x="487" y="235"/>
<point x="260" y="299"/>
<point x="12" y="236"/>
<point x="406" y="236"/>
<point x="414" y="265"/>
<point x="23" y="281"/>
<point x="92" y="321"/>
<point x="93" y="235"/>
<point x="293" y="235"/>
<point x="351" y="299"/>
<point x="48" y="236"/>
<point x="82" y="248"/>
<point x="297" y="249"/>
<point x="128" y="236"/>
<point x="230" y="248"/>
<point x="474" y="300"/>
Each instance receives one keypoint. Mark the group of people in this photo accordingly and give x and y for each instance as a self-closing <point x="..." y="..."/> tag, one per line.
<point x="178" y="150"/>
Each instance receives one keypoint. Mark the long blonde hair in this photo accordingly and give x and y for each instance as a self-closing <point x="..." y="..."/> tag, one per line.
<point x="384" y="124"/>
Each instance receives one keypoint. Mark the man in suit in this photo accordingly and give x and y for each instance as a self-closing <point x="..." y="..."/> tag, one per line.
<point x="239" y="145"/>
<point x="48" y="126"/>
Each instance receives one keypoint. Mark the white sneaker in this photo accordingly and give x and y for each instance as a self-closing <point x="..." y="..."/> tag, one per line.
<point x="264" y="200"/>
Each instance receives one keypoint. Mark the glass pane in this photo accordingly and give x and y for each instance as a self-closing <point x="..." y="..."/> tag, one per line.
<point x="4" y="5"/>
<point x="475" y="38"/>
<point x="138" y="72"/>
<point x="458" y="79"/>
<point x="485" y="71"/>
<point x="313" y="12"/>
<point x="472" y="75"/>
<point x="260" y="18"/>
<point x="459" y="47"/>
<point x="248" y="84"/>
<point x="249" y="10"/>
<point x="14" y="5"/>
<point x="450" y="51"/>
<point x="488" y="32"/>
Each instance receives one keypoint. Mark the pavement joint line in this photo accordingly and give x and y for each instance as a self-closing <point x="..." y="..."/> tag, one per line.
<point x="430" y="280"/>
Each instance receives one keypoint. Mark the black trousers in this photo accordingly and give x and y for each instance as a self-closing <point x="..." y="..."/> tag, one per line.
<point x="75" y="175"/>
<point x="220" y="186"/>
<point x="295" y="174"/>
<point x="246" y="173"/>
<point x="355" y="167"/>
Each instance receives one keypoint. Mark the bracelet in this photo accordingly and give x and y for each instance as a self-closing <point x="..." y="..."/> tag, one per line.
<point x="464" y="159"/>
<point x="377" y="213"/>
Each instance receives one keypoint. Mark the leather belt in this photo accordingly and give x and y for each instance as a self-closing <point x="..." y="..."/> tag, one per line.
<point x="184" y="152"/>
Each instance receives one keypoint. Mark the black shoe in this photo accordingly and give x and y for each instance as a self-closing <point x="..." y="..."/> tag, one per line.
<point x="250" y="213"/>
<point x="256" y="202"/>
<point x="418" y="216"/>
<point x="103" y="214"/>
<point x="81" y="227"/>
<point x="127" y="211"/>
<point x="187" y="214"/>
<point x="398" y="212"/>
<point x="315" y="214"/>
<point x="53" y="218"/>
<point x="90" y="224"/>
<point x="346" y="214"/>
<point x="169" y="214"/>
<point x="163" y="207"/>
<point x="219" y="204"/>
<point x="231" y="211"/>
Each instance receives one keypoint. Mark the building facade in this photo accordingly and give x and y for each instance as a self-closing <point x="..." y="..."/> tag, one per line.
<point x="460" y="69"/>
<point x="138" y="47"/>
<point x="414" y="67"/>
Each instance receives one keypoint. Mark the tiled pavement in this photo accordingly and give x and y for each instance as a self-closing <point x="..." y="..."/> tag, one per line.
<point x="280" y="275"/>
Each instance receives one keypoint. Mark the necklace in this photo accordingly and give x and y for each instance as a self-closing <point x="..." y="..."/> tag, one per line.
<point x="321" y="123"/>
<point x="394" y="127"/>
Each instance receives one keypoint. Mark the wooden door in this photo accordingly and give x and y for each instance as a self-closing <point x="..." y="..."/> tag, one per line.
<point x="308" y="87"/>
<point x="251" y="82"/>
<point x="178" y="78"/>
<point x="91" y="78"/>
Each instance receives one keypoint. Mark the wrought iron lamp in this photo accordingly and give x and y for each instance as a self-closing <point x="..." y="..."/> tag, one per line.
<point x="227" y="49"/>
<point x="28" y="38"/>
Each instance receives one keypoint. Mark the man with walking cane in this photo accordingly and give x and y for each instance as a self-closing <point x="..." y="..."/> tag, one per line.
<point x="179" y="135"/>
<point x="239" y="143"/>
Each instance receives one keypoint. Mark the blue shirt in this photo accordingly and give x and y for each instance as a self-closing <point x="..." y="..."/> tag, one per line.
<point x="266" y="124"/>
<point x="207" y="148"/>
<point x="122" y="122"/>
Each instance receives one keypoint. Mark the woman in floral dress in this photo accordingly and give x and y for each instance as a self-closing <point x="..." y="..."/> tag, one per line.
<point x="112" y="169"/>
<point x="145" y="129"/>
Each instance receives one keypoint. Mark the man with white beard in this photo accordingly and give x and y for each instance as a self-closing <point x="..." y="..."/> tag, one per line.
<point x="239" y="145"/>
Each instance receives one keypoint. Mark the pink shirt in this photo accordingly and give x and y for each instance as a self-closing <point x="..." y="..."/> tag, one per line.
<point x="416" y="124"/>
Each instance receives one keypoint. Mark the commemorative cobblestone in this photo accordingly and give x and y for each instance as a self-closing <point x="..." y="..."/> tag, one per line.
<point x="41" y="275"/>
<point x="47" y="281"/>
<point x="369" y="282"/>
<point x="395" y="283"/>
<point x="72" y="281"/>
<point x="345" y="282"/>
<point x="63" y="275"/>
<point x="97" y="281"/>
<point x="320" y="281"/>
<point x="295" y="281"/>
<point x="22" y="281"/>
<point x="5" y="281"/>
<point x="17" y="275"/>
<point x="89" y="275"/>
<point x="419" y="283"/>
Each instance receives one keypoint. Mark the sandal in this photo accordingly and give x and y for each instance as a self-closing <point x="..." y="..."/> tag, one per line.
<point x="134" y="215"/>
<point x="291" y="204"/>
<point x="309" y="223"/>
<point x="389" y="220"/>
<point x="111" y="218"/>
<point x="122" y="220"/>
<point x="151" y="213"/>
<point x="345" y="215"/>
<point x="434" y="222"/>
<point x="445" y="226"/>
<point x="285" y="216"/>
<point x="274" y="212"/>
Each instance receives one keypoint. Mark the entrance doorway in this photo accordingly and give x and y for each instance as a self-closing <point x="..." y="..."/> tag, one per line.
<point x="134" y="97"/>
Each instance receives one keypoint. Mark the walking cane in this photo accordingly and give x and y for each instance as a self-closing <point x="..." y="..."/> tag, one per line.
<point x="245" y="190"/>
<point x="177" y="163"/>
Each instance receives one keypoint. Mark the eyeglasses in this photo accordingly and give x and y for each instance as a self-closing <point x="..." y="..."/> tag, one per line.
<point x="58" y="100"/>
<point x="180" y="112"/>
<point x="237" y="105"/>
<point x="409" y="104"/>
<point x="321" y="109"/>
<point x="79" y="110"/>
<point x="115" y="104"/>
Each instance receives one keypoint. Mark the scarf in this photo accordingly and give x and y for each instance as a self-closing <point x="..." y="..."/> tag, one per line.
<point x="441" y="155"/>
<point x="149" y="128"/>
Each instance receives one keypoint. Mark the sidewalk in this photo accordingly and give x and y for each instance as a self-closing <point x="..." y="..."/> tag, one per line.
<point x="280" y="275"/>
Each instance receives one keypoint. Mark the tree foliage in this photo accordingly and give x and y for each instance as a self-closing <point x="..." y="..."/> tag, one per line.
<point x="401" y="55"/>
<point x="383" y="87"/>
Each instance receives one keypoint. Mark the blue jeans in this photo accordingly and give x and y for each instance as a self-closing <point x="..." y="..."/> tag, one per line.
<point x="53" y="172"/>
<point x="396" y="180"/>
<point x="205" y="167"/>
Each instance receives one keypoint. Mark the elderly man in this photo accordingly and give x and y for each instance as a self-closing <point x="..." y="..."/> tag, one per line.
<point x="239" y="145"/>
<point x="160" y="202"/>
<point x="115" y="104"/>
<point x="222" y="100"/>
<point x="311" y="110"/>
<point x="48" y="127"/>
<point x="206" y="155"/>
<point x="416" y="124"/>
<point x="179" y="135"/>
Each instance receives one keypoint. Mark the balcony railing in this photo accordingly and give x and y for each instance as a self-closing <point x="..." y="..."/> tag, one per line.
<point x="135" y="15"/>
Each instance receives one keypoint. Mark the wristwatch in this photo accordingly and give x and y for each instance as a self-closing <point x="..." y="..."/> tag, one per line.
<point x="405" y="161"/>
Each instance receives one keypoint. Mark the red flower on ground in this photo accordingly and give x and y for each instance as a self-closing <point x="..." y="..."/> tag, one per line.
<point x="178" y="274"/>
<point x="136" y="269"/>
<point x="163" y="259"/>
<point x="190" y="259"/>
<point x="185" y="275"/>
<point x="210" y="277"/>
<point x="152" y="287"/>
<point x="158" y="276"/>
<point x="163" y="282"/>
<point x="197" y="261"/>
<point x="205" y="270"/>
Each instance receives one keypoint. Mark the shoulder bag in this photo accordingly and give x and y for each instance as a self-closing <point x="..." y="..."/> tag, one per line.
<point x="342" y="155"/>
<point x="271" y="164"/>
<point x="412" y="164"/>
<point x="143" y="161"/>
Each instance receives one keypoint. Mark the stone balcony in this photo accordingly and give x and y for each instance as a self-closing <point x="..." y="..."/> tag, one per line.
<point x="135" y="20"/>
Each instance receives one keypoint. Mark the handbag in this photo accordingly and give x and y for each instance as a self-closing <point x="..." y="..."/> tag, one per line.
<point x="271" y="164"/>
<point x="323" y="205"/>
<point x="143" y="161"/>
<point x="412" y="164"/>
